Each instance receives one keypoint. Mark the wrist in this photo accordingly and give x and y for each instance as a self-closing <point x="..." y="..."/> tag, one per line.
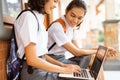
<point x="62" y="65"/>
<point x="62" y="70"/>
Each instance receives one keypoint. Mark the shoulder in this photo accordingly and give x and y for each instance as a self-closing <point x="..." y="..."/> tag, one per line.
<point x="55" y="26"/>
<point x="27" y="14"/>
<point x="58" y="22"/>
<point x="27" y="17"/>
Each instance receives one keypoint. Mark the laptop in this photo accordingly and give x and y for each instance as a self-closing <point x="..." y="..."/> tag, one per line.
<point x="92" y="73"/>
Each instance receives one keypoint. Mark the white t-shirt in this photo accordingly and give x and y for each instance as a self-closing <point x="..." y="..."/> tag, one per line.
<point x="57" y="34"/>
<point x="26" y="30"/>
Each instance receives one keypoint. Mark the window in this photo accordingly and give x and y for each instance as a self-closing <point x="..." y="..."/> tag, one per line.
<point x="10" y="10"/>
<point x="11" y="7"/>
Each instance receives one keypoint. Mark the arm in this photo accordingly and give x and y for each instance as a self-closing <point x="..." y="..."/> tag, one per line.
<point x="51" y="60"/>
<point x="33" y="60"/>
<point x="56" y="62"/>
<point x="111" y="51"/>
<point x="77" y="45"/>
<point x="62" y="40"/>
<point x="78" y="51"/>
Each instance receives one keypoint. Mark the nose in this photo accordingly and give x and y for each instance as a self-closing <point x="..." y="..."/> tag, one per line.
<point x="54" y="5"/>
<point x="75" y="20"/>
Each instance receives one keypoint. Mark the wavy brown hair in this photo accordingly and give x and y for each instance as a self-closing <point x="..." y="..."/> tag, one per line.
<point x="37" y="5"/>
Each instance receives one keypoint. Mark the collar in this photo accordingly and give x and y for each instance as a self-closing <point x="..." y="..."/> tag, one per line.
<point x="67" y="25"/>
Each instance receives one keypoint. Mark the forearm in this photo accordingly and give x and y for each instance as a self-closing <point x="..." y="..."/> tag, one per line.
<point x="44" y="65"/>
<point x="51" y="60"/>
<point x="33" y="60"/>
<point x="84" y="52"/>
<point x="78" y="51"/>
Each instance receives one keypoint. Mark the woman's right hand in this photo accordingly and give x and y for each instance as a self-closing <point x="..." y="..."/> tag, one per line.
<point x="70" y="68"/>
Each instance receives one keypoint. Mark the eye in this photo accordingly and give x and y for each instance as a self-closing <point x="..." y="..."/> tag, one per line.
<point x="56" y="1"/>
<point x="80" y="17"/>
<point x="72" y="15"/>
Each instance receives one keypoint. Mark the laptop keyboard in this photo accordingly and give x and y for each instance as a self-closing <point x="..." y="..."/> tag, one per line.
<point x="83" y="74"/>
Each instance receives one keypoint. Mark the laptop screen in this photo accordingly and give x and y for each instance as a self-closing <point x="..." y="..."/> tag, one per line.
<point x="98" y="61"/>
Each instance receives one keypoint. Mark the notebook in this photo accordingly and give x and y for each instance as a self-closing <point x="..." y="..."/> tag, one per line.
<point x="92" y="73"/>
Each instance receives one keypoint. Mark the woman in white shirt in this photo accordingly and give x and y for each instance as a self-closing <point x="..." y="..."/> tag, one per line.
<point x="32" y="41"/>
<point x="67" y="41"/>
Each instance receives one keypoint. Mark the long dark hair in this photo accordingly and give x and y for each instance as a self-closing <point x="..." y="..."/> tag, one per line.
<point x="37" y="5"/>
<point x="78" y="4"/>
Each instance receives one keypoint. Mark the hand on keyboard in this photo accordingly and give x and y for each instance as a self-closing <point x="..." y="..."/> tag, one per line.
<point x="83" y="74"/>
<point x="73" y="68"/>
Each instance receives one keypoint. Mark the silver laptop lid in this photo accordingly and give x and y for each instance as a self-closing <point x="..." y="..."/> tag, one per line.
<point x="98" y="61"/>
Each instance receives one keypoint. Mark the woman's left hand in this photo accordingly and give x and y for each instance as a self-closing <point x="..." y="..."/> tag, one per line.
<point x="111" y="52"/>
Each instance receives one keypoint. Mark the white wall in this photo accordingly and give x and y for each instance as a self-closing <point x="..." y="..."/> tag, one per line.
<point x="64" y="4"/>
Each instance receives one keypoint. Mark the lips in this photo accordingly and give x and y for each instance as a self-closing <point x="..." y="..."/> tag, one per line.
<point x="72" y="23"/>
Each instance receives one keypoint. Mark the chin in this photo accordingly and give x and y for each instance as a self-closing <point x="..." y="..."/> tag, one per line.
<point x="72" y="25"/>
<point x="48" y="12"/>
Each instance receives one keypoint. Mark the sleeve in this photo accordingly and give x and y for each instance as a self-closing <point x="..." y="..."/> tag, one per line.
<point x="28" y="30"/>
<point x="56" y="31"/>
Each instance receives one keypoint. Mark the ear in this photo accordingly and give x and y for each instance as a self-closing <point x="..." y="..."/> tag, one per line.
<point x="65" y="11"/>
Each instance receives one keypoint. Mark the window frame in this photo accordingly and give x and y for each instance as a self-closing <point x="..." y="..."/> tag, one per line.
<point x="10" y="20"/>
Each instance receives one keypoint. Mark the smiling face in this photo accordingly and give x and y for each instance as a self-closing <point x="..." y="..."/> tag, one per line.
<point x="51" y="4"/>
<point x="75" y="16"/>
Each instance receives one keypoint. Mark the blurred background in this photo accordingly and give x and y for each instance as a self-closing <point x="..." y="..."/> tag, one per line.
<point x="101" y="26"/>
